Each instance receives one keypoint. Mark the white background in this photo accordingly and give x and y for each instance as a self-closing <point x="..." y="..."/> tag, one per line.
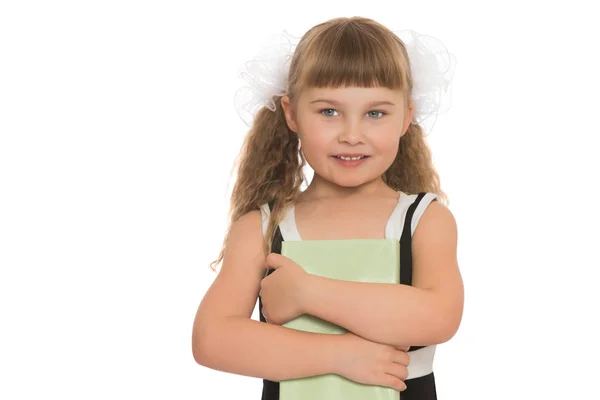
<point x="117" y="137"/>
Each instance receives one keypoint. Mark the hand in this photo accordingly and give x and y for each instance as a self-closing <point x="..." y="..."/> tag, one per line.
<point x="282" y="290"/>
<point x="371" y="363"/>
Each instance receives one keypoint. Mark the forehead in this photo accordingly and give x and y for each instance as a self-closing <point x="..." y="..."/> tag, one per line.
<point x="352" y="95"/>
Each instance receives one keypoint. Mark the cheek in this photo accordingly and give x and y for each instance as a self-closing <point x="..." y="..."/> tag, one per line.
<point x="314" y="147"/>
<point x="315" y="135"/>
<point x="386" y="145"/>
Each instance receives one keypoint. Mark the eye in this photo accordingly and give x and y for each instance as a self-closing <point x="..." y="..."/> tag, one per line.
<point x="327" y="112"/>
<point x="376" y="114"/>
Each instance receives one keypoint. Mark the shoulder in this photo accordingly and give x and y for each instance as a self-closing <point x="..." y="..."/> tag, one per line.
<point x="437" y="221"/>
<point x="250" y="218"/>
<point x="247" y="228"/>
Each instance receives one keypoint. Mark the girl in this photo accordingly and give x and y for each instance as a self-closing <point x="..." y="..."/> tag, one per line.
<point x="349" y="111"/>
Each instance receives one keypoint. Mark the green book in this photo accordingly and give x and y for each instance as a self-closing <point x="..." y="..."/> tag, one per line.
<point x="360" y="260"/>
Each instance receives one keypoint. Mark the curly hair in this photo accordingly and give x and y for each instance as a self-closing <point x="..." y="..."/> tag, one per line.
<point x="340" y="52"/>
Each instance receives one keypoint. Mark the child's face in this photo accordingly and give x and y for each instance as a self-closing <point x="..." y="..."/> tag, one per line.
<point x="332" y="122"/>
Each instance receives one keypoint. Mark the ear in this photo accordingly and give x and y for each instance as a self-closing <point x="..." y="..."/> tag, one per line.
<point x="290" y="117"/>
<point x="408" y="117"/>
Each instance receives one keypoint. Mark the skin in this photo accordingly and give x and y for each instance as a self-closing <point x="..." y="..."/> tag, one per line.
<point x="336" y="121"/>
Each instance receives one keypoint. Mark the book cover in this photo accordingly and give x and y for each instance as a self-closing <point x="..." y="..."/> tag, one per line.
<point x="360" y="260"/>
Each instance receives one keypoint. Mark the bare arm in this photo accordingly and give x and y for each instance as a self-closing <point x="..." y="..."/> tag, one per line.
<point x="225" y="337"/>
<point x="252" y="348"/>
<point x="429" y="312"/>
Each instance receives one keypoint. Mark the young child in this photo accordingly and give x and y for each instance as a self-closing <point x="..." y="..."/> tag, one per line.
<point x="349" y="107"/>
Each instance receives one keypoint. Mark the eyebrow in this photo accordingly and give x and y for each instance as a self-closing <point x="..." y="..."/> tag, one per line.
<point x="371" y="104"/>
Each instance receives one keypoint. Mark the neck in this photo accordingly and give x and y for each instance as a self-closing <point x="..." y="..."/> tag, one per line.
<point x="320" y="188"/>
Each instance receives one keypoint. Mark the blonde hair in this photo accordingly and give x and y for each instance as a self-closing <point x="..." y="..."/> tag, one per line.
<point x="340" y="52"/>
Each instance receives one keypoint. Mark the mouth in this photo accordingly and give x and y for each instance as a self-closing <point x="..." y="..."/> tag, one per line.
<point x="350" y="157"/>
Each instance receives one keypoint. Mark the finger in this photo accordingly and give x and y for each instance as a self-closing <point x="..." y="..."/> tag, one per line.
<point x="400" y="371"/>
<point x="275" y="261"/>
<point x="394" y="383"/>
<point x="401" y="357"/>
<point x="402" y="387"/>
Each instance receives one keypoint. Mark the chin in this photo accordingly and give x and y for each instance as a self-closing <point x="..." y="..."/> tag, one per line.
<point x="349" y="182"/>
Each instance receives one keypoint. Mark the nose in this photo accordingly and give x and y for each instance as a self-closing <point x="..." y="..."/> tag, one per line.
<point x="351" y="132"/>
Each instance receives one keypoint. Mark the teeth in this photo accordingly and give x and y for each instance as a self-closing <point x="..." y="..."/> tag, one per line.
<point x="351" y="158"/>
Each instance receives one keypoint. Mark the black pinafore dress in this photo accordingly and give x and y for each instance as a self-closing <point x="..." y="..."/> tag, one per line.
<point x="402" y="223"/>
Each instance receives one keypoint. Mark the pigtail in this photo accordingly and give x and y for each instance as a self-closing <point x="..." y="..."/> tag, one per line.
<point x="269" y="169"/>
<point x="413" y="170"/>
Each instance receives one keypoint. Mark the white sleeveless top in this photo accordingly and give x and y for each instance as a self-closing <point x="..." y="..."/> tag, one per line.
<point x="421" y="360"/>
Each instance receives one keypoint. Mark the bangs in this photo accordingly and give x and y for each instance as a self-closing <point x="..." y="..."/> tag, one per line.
<point x="349" y="55"/>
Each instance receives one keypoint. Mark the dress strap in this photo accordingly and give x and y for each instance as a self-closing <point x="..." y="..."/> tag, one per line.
<point x="265" y="213"/>
<point x="396" y="224"/>
<point x="287" y="226"/>
<point x="408" y="223"/>
<point x="393" y="227"/>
